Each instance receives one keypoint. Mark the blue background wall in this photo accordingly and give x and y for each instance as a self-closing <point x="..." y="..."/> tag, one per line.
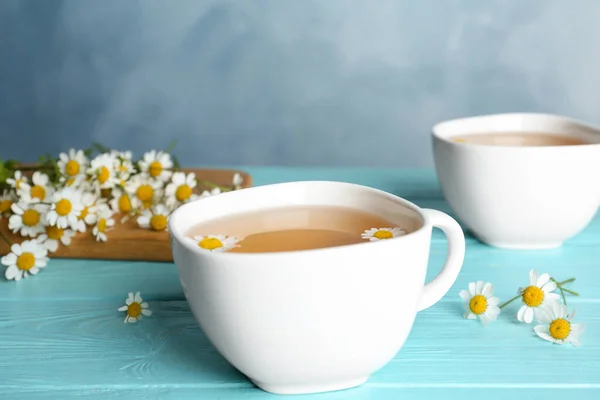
<point x="281" y="82"/>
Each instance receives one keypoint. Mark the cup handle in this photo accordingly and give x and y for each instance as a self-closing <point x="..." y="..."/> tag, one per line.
<point x="439" y="286"/>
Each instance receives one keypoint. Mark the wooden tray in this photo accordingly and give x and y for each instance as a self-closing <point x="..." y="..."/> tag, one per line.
<point x="126" y="241"/>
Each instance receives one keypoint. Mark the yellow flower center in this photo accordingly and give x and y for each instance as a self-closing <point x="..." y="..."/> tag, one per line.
<point x="54" y="232"/>
<point x="124" y="203"/>
<point x="101" y="225"/>
<point x="83" y="213"/>
<point x="134" y="309"/>
<point x="103" y="175"/>
<point x="210" y="243"/>
<point x="72" y="168"/>
<point x="18" y="183"/>
<point x="5" y="206"/>
<point x="155" y="169"/>
<point x="381" y="234"/>
<point x="145" y="192"/>
<point x="26" y="261"/>
<point x="70" y="181"/>
<point x="31" y="217"/>
<point x="478" y="304"/>
<point x="63" y="207"/>
<point x="158" y="222"/>
<point x="560" y="329"/>
<point x="183" y="192"/>
<point x="123" y="168"/>
<point x="39" y="192"/>
<point x="533" y="296"/>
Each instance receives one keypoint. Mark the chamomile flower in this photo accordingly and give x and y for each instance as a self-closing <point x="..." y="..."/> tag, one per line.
<point x="212" y="192"/>
<point x="24" y="259"/>
<point x="135" y="307"/>
<point x="102" y="171"/>
<point x="217" y="243"/>
<point x="66" y="207"/>
<point x="120" y="203"/>
<point x="72" y="165"/>
<point x="28" y="218"/>
<point x="375" y="234"/>
<point x="156" y="219"/>
<point x="90" y="203"/>
<point x="537" y="294"/>
<point x="18" y="179"/>
<point x="123" y="165"/>
<point x="556" y="324"/>
<point x="237" y="180"/>
<point x="157" y="165"/>
<point x="104" y="223"/>
<point x="53" y="235"/>
<point x="480" y="302"/>
<point x="38" y="190"/>
<point x="181" y="189"/>
<point x="144" y="190"/>
<point x="7" y="199"/>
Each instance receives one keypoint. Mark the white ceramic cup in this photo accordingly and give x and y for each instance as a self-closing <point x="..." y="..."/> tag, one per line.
<point x="313" y="320"/>
<point x="519" y="197"/>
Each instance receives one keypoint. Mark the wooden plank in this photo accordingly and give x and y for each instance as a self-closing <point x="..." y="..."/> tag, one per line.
<point x="127" y="241"/>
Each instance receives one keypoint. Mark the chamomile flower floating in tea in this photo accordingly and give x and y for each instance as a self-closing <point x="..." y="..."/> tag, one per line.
<point x="38" y="191"/>
<point x="66" y="206"/>
<point x="24" y="259"/>
<point x="28" y="218"/>
<point x="135" y="307"/>
<point x="16" y="181"/>
<point x="375" y="234"/>
<point x="181" y="189"/>
<point x="53" y="235"/>
<point x="480" y="302"/>
<point x="216" y="242"/>
<point x="104" y="223"/>
<point x="556" y="324"/>
<point x="155" y="219"/>
<point x="72" y="165"/>
<point x="157" y="164"/>
<point x="536" y="295"/>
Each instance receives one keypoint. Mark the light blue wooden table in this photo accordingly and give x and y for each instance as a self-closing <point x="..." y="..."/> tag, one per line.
<point x="61" y="336"/>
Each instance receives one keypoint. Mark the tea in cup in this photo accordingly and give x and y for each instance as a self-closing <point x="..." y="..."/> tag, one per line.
<point x="309" y="287"/>
<point x="519" y="181"/>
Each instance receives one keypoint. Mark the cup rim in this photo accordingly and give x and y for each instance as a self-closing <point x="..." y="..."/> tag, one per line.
<point x="582" y="127"/>
<point x="177" y="234"/>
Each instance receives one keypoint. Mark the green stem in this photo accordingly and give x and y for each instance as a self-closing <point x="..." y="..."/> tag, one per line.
<point x="213" y="185"/>
<point x="6" y="239"/>
<point x="563" y="282"/>
<point x="570" y="292"/>
<point x="501" y="306"/>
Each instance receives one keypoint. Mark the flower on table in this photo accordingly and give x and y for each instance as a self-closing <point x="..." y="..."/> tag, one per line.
<point x="156" y="218"/>
<point x="90" y="203"/>
<point x="120" y="201"/>
<point x="66" y="207"/>
<point x="72" y="166"/>
<point x="7" y="199"/>
<point x="237" y="180"/>
<point x="143" y="190"/>
<point x="537" y="294"/>
<point x="38" y="191"/>
<point x="157" y="165"/>
<point x="17" y="179"/>
<point x="181" y="189"/>
<point x="556" y="324"/>
<point x="102" y="171"/>
<point x="24" y="259"/>
<point x="28" y="219"/>
<point x="480" y="302"/>
<point x="135" y="307"/>
<point x="375" y="234"/>
<point x="218" y="243"/>
<point x="104" y="223"/>
<point x="123" y="165"/>
<point x="53" y="235"/>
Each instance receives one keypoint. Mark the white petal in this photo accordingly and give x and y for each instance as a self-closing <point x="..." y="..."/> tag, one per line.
<point x="488" y="290"/>
<point x="124" y="308"/>
<point x="9" y="259"/>
<point x="472" y="289"/>
<point x="572" y="315"/>
<point x="492" y="312"/>
<point x="479" y="287"/>
<point x="543" y="315"/>
<point x="137" y="298"/>
<point x="485" y="320"/>
<point x="542" y="331"/>
<point x="551" y="297"/>
<point x="34" y="270"/>
<point x="66" y="240"/>
<point x="147" y="312"/>
<point x="129" y="299"/>
<point x="542" y="280"/>
<point x="528" y="317"/>
<point x="577" y="328"/>
<point x="549" y="287"/>
<point x="493" y="301"/>
<point x="464" y="295"/>
<point x="470" y="315"/>
<point x="533" y="277"/>
<point x="574" y="340"/>
<point x="521" y="313"/>
<point x="12" y="272"/>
